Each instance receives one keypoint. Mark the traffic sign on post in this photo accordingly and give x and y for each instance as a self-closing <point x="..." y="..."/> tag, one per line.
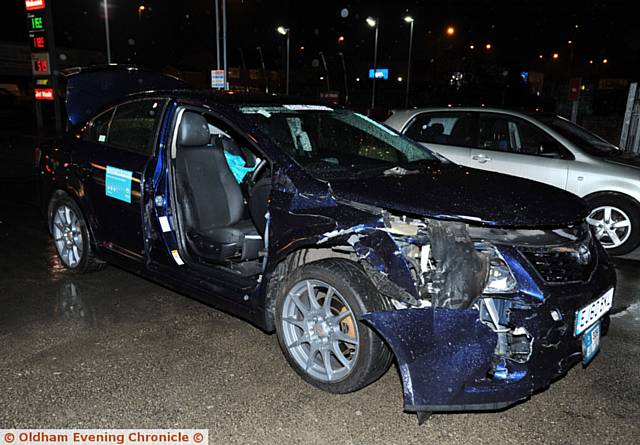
<point x="217" y="79"/>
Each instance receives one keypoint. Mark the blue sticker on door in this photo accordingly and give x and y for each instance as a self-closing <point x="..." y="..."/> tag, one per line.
<point x="117" y="184"/>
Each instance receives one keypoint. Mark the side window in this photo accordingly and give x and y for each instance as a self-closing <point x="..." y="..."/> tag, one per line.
<point x="99" y="128"/>
<point x="502" y="133"/>
<point x="497" y="133"/>
<point x="442" y="128"/>
<point x="134" y="125"/>
<point x="537" y="142"/>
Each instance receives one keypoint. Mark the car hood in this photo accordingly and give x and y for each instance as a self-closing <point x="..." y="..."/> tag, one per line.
<point x="453" y="192"/>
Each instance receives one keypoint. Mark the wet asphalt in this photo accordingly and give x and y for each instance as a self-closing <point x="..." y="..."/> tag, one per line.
<point x="112" y="350"/>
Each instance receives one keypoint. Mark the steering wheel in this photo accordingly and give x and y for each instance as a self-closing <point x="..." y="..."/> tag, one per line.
<point x="258" y="171"/>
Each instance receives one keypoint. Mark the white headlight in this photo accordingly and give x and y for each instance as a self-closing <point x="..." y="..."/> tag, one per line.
<point x="500" y="280"/>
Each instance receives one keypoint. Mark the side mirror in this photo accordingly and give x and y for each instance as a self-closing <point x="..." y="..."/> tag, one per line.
<point x="550" y="150"/>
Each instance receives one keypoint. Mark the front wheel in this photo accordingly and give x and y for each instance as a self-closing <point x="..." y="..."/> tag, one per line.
<point x="318" y="330"/>
<point x="616" y="223"/>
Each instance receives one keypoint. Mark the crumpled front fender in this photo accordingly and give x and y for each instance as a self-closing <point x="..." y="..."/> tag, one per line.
<point x="439" y="351"/>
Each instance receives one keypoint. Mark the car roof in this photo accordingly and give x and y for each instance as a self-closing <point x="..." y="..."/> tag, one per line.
<point x="213" y="98"/>
<point x="413" y="111"/>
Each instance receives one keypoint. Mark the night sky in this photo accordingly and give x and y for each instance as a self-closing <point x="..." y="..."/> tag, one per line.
<point x="181" y="33"/>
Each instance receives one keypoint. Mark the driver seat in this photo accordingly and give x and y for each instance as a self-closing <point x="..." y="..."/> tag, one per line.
<point x="211" y="199"/>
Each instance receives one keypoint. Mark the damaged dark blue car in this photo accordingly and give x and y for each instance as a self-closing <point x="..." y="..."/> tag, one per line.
<point x="351" y="242"/>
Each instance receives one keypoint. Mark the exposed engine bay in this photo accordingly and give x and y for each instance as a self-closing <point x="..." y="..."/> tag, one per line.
<point x="457" y="266"/>
<point x="453" y="271"/>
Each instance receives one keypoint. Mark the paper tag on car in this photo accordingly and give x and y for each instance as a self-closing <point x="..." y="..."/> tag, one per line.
<point x="164" y="224"/>
<point x="176" y="257"/>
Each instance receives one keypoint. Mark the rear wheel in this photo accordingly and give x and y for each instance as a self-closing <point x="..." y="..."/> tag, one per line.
<point x="318" y="329"/>
<point x="616" y="222"/>
<point x="71" y="236"/>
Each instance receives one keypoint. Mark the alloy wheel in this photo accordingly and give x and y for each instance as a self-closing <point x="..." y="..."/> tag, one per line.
<point x="67" y="234"/>
<point x="320" y="331"/>
<point x="612" y="226"/>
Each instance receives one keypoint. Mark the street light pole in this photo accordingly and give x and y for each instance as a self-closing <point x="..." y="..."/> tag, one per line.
<point x="326" y="70"/>
<point x="106" y="29"/>
<point x="409" y="20"/>
<point x="288" y="61"/>
<point x="217" y="6"/>
<point x="224" y="44"/>
<point x="374" y="24"/>
<point x="346" y="84"/>
<point x="286" y="32"/>
<point x="264" y="70"/>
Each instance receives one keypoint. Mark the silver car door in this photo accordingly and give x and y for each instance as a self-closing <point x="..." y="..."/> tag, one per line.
<point x="510" y="145"/>
<point x="447" y="133"/>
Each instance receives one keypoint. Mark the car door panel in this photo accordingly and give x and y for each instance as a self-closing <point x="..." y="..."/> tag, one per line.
<point x="117" y="197"/>
<point x="113" y="165"/>
<point x="548" y="171"/>
<point x="509" y="145"/>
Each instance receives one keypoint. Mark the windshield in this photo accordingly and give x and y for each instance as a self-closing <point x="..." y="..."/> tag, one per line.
<point x="580" y="137"/>
<point x="337" y="143"/>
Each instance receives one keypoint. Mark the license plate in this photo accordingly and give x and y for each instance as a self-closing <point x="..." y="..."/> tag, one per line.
<point x="591" y="343"/>
<point x="591" y="313"/>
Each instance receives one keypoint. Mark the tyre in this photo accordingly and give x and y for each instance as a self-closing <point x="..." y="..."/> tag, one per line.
<point x="317" y="313"/>
<point x="616" y="222"/>
<point x="71" y="236"/>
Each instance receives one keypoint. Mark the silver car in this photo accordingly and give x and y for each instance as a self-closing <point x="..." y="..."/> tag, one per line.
<point x="544" y="148"/>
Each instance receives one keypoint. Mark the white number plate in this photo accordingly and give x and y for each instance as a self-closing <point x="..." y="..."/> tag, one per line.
<point x="588" y="315"/>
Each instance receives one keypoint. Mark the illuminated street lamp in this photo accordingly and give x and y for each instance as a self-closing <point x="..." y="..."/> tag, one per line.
<point x="408" y="19"/>
<point x="605" y="61"/>
<point x="106" y="29"/>
<point x="286" y="32"/>
<point x="555" y="56"/>
<point x="373" y="23"/>
<point x="141" y="9"/>
<point x="488" y="47"/>
<point x="451" y="31"/>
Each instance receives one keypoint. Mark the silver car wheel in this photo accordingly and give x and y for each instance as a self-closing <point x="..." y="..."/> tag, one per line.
<point x="320" y="330"/>
<point x="67" y="235"/>
<point x="612" y="226"/>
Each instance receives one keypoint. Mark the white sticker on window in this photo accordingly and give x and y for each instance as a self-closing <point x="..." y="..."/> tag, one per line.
<point x="164" y="224"/>
<point x="307" y="107"/>
<point x="300" y="137"/>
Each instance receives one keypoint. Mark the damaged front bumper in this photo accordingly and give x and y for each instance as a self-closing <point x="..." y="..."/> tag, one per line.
<point x="448" y="358"/>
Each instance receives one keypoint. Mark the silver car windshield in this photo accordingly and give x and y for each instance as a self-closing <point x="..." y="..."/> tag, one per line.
<point x="337" y="143"/>
<point x="581" y="137"/>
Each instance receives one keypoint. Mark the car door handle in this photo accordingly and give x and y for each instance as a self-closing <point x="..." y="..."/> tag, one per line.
<point x="481" y="158"/>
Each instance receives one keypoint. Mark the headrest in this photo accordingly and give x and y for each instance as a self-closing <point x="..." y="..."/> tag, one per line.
<point x="193" y="131"/>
